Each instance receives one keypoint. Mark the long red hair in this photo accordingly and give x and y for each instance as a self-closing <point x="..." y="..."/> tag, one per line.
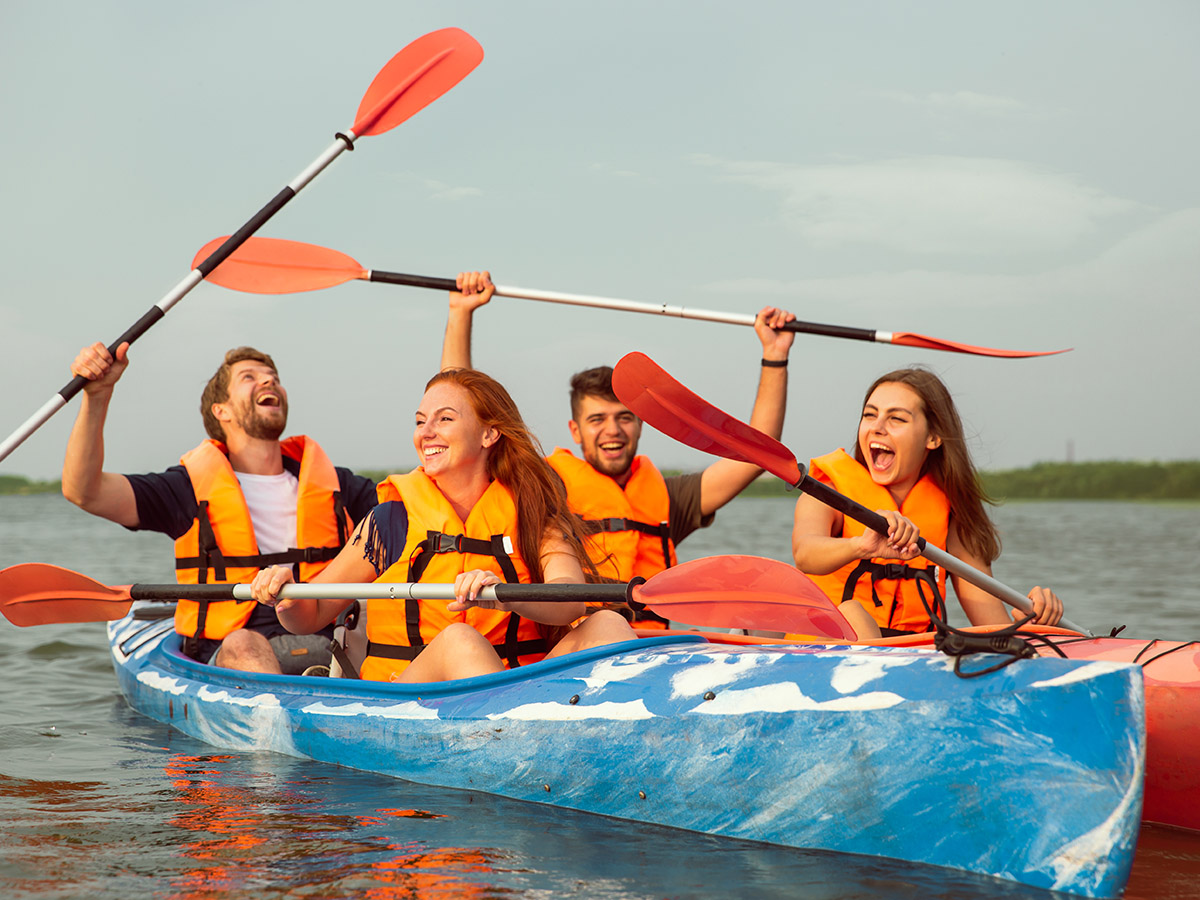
<point x="949" y="465"/>
<point x="517" y="461"/>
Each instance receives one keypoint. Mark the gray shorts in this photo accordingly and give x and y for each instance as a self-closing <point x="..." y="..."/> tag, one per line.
<point x="296" y="652"/>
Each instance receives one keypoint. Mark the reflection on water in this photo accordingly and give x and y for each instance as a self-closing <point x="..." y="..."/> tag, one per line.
<point x="99" y="802"/>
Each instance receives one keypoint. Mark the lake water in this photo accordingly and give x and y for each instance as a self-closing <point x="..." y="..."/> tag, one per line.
<point x="99" y="802"/>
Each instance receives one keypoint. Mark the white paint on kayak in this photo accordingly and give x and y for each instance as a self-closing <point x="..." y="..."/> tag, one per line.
<point x="786" y="696"/>
<point x="159" y="682"/>
<point x="852" y="673"/>
<point x="564" y="712"/>
<point x="408" y="710"/>
<point x="724" y="669"/>
<point x="1083" y="860"/>
<point x="265" y="700"/>
<point x="1079" y="673"/>
<point x="621" y="668"/>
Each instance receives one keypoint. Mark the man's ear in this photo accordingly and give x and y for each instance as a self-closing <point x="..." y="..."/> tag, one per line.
<point x="576" y="434"/>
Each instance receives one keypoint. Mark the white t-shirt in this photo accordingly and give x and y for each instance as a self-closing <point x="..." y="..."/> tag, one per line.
<point x="272" y="500"/>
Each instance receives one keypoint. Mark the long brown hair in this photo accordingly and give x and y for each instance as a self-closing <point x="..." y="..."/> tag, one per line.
<point x="516" y="461"/>
<point x="949" y="464"/>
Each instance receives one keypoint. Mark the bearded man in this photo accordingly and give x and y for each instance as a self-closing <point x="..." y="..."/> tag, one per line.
<point x="240" y="501"/>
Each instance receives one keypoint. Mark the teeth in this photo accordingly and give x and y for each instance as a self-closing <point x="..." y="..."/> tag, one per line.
<point x="434" y="451"/>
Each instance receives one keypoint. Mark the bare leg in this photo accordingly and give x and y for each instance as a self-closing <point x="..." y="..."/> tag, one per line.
<point x="247" y="651"/>
<point x="860" y="620"/>
<point x="598" y="629"/>
<point x="458" y="652"/>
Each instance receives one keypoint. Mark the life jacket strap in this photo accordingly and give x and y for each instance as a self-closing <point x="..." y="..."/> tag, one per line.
<point x="922" y="575"/>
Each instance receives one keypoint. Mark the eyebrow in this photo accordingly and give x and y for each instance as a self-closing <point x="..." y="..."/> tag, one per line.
<point x="890" y="409"/>
<point x="436" y="411"/>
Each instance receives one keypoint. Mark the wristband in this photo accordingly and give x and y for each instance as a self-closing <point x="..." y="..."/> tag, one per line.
<point x="775" y="363"/>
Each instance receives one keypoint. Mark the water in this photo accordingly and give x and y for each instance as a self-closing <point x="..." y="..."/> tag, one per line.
<point x="99" y="802"/>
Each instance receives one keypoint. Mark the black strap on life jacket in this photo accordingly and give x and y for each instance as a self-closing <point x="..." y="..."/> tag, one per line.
<point x="438" y="542"/>
<point x="662" y="531"/>
<point x="896" y="572"/>
<point x="210" y="555"/>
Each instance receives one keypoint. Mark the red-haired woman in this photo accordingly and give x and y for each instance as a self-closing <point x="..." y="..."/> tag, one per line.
<point x="911" y="464"/>
<point x="484" y="507"/>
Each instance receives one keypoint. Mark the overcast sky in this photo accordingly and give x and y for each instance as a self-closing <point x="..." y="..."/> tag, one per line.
<point x="1016" y="174"/>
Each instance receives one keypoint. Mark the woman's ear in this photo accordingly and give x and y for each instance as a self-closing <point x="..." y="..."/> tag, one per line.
<point x="490" y="435"/>
<point x="933" y="442"/>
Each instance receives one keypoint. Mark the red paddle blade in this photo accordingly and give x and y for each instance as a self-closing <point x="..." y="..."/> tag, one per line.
<point x="41" y="594"/>
<point x="415" y="77"/>
<point x="909" y="339"/>
<point x="657" y="398"/>
<point x="744" y="592"/>
<point x="274" y="266"/>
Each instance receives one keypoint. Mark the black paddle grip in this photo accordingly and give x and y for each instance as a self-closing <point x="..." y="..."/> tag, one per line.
<point x="561" y="593"/>
<point x="132" y="333"/>
<point x="839" y="331"/>
<point x="182" y="592"/>
<point x="439" y="284"/>
<point x="846" y="506"/>
<point x="239" y="237"/>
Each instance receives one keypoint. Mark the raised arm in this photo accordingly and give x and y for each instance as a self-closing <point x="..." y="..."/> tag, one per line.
<point x="474" y="290"/>
<point x="725" y="478"/>
<point x="84" y="481"/>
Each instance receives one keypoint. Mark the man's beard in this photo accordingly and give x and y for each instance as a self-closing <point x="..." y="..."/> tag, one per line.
<point x="258" y="426"/>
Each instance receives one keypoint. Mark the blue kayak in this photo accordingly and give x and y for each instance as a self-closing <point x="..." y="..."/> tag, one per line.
<point x="1032" y="773"/>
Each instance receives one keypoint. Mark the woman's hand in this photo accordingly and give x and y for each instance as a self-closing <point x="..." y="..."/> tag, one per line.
<point x="1046" y="605"/>
<point x="467" y="587"/>
<point x="474" y="290"/>
<point x="899" y="543"/>
<point x="267" y="583"/>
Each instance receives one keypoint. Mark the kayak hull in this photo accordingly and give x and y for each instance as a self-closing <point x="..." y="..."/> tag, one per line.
<point x="1032" y="773"/>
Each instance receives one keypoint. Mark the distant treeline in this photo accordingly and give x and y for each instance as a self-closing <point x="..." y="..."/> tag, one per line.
<point x="1111" y="480"/>
<point x="1043" y="481"/>
<point x="19" y="484"/>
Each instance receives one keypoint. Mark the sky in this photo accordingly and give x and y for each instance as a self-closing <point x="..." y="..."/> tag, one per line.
<point x="1015" y="174"/>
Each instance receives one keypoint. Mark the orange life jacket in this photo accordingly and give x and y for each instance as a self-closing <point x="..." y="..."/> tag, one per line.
<point x="889" y="589"/>
<point x="220" y="547"/>
<point x="440" y="546"/>
<point x="623" y="540"/>
<point x="629" y="524"/>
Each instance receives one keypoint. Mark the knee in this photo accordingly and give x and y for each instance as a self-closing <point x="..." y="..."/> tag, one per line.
<point x="607" y="626"/>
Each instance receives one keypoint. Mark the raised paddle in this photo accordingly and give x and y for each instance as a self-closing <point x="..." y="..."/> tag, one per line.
<point x="657" y="398"/>
<point x="412" y="79"/>
<point x="716" y="592"/>
<point x="274" y="266"/>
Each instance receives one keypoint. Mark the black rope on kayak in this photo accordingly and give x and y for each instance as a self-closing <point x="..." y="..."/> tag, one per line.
<point x="958" y="643"/>
<point x="1137" y="659"/>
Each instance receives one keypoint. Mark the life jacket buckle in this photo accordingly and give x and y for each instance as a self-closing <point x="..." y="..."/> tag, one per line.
<point x="448" y="543"/>
<point x="892" y="571"/>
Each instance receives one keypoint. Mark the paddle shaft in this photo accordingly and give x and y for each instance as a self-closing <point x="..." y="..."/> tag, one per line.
<point x="662" y="309"/>
<point x="505" y="593"/>
<point x="936" y="555"/>
<point x="177" y="293"/>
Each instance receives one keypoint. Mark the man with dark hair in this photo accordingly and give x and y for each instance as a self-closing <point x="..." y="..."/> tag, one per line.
<point x="636" y="515"/>
<point x="240" y="501"/>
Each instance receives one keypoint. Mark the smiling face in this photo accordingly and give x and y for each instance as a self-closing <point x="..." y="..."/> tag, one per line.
<point x="449" y="437"/>
<point x="257" y="402"/>
<point x="607" y="433"/>
<point x="894" y="437"/>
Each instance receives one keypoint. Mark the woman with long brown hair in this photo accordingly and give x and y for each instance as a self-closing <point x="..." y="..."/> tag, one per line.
<point x="911" y="463"/>
<point x="482" y="508"/>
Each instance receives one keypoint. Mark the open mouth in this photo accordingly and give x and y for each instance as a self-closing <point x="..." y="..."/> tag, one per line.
<point x="882" y="456"/>
<point x="268" y="399"/>
<point x="433" y="451"/>
<point x="612" y="447"/>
